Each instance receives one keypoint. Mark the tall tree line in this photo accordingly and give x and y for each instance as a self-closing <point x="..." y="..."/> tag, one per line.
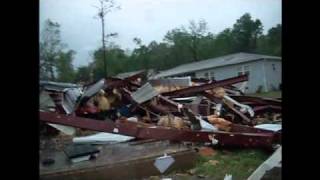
<point x="180" y="45"/>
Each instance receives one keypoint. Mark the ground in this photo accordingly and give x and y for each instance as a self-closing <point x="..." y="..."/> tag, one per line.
<point x="240" y="163"/>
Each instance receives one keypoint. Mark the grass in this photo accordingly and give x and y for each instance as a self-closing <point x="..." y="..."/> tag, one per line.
<point x="240" y="163"/>
<point x="271" y="94"/>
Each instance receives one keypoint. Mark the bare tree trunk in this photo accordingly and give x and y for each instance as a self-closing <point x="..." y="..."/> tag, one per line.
<point x="103" y="45"/>
<point x="194" y="49"/>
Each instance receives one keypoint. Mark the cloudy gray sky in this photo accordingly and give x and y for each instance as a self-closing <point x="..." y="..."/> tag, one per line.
<point x="147" y="19"/>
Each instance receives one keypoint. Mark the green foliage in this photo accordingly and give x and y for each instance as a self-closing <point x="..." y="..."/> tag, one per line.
<point x="55" y="61"/>
<point x="116" y="62"/>
<point x="246" y="32"/>
<point x="194" y="43"/>
<point x="65" y="68"/>
<point x="239" y="163"/>
<point x="271" y="43"/>
<point x="83" y="74"/>
<point x="179" y="46"/>
<point x="50" y="48"/>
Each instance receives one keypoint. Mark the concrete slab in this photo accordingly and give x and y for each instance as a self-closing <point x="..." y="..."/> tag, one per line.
<point x="119" y="161"/>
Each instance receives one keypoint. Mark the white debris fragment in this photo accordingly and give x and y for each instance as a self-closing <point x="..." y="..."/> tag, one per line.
<point x="271" y="127"/>
<point x="102" y="138"/>
<point x="163" y="163"/>
<point x="65" y="129"/>
<point x="228" y="177"/>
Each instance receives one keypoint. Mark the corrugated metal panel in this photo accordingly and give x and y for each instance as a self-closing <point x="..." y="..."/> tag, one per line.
<point x="45" y="101"/>
<point x="93" y="89"/>
<point x="71" y="93"/>
<point x="57" y="86"/>
<point x="70" y="99"/>
<point x="183" y="81"/>
<point x="214" y="62"/>
<point x="128" y="74"/>
<point x="145" y="93"/>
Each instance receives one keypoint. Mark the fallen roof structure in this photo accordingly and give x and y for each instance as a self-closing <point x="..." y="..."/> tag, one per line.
<point x="144" y="99"/>
<point x="192" y="110"/>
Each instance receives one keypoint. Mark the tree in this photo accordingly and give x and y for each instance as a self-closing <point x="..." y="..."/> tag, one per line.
<point x="246" y="32"/>
<point x="50" y="49"/>
<point x="271" y="42"/>
<point x="275" y="39"/>
<point x="197" y="33"/>
<point x="224" y="43"/>
<point x="188" y="43"/>
<point x="179" y="42"/>
<point x="55" y="59"/>
<point x="141" y="54"/>
<point x="105" y="7"/>
<point x="194" y="43"/>
<point x="64" y="65"/>
<point x="117" y="61"/>
<point x="83" y="74"/>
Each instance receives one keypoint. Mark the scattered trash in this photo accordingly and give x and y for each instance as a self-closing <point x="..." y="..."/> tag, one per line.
<point x="65" y="129"/>
<point x="205" y="126"/>
<point x="174" y="109"/>
<point x="228" y="177"/>
<point x="213" y="162"/>
<point x="273" y="161"/>
<point x="271" y="127"/>
<point x="207" y="151"/>
<point x="102" y="138"/>
<point x="192" y="171"/>
<point x="79" y="153"/>
<point x="181" y="174"/>
<point x="163" y="163"/>
<point x="171" y="121"/>
<point x="201" y="176"/>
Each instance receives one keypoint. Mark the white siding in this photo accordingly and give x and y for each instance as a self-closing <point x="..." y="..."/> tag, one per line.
<point x="273" y="74"/>
<point x="256" y="77"/>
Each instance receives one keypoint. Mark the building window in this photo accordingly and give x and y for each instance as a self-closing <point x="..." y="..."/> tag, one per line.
<point x="212" y="75"/>
<point x="246" y="70"/>
<point x="243" y="70"/>
<point x="239" y="70"/>
<point x="206" y="75"/>
<point x="274" y="67"/>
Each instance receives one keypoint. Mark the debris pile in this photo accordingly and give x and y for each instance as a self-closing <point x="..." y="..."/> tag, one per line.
<point x="177" y="109"/>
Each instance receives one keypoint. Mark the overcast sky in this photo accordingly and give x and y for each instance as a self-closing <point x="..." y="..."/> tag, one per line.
<point x="147" y="19"/>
